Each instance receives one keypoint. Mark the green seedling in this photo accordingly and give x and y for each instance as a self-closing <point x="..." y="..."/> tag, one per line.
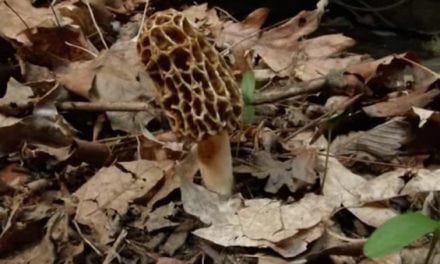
<point x="400" y="231"/>
<point x="248" y="91"/>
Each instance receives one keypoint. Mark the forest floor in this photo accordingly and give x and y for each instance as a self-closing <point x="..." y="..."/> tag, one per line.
<point x="335" y="139"/>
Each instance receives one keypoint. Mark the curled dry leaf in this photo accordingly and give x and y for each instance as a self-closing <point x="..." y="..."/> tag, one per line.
<point x="380" y="70"/>
<point x="381" y="142"/>
<point x="401" y="105"/>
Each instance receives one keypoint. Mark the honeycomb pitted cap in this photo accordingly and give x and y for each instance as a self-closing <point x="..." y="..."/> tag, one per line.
<point x="197" y="90"/>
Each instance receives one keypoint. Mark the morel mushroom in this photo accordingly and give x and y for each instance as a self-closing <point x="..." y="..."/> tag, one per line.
<point x="197" y="91"/>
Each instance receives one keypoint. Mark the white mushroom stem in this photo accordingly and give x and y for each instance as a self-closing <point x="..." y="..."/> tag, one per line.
<point x="215" y="162"/>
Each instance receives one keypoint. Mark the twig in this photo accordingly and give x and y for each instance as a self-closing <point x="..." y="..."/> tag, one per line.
<point x="371" y="9"/>
<point x="81" y="48"/>
<point x="226" y="13"/>
<point x="325" y="116"/>
<point x="88" y="242"/>
<point x="15" y="12"/>
<point x="375" y="13"/>
<point x="312" y="123"/>
<point x="104" y="106"/>
<point x="141" y="26"/>
<point x="112" y="253"/>
<point x="54" y="13"/>
<point x="309" y="87"/>
<point x="101" y="36"/>
<point x="368" y="161"/>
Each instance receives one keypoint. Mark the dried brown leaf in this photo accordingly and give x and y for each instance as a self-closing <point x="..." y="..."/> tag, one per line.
<point x="280" y="173"/>
<point x="401" y="105"/>
<point x="33" y="130"/>
<point x="252" y="223"/>
<point x="12" y="27"/>
<point x="113" y="189"/>
<point x="278" y="47"/>
<point x="381" y="142"/>
<point x="341" y="188"/>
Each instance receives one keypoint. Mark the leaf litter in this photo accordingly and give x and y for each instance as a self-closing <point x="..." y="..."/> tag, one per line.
<point x="337" y="143"/>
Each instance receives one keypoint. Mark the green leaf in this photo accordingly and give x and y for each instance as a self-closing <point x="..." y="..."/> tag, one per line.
<point x="248" y="114"/>
<point x="397" y="233"/>
<point x="248" y="87"/>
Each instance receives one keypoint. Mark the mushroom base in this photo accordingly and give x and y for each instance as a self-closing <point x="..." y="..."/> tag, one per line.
<point x="215" y="162"/>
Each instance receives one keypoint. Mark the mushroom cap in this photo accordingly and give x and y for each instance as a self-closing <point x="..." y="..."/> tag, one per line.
<point x="197" y="89"/>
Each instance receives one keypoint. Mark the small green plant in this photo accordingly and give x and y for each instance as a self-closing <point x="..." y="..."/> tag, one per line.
<point x="248" y="91"/>
<point x="399" y="232"/>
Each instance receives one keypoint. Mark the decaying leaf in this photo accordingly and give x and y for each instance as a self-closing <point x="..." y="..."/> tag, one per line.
<point x="340" y="188"/>
<point x="116" y="75"/>
<point x="381" y="142"/>
<point x="295" y="173"/>
<point x="112" y="188"/>
<point x="401" y="105"/>
<point x="33" y="130"/>
<point x="111" y="191"/>
<point x="245" y="224"/>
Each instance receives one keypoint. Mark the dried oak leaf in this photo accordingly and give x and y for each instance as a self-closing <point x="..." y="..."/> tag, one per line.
<point x="241" y="36"/>
<point x="261" y="223"/>
<point x="12" y="27"/>
<point x="282" y="173"/>
<point x="401" y="105"/>
<point x="282" y="47"/>
<point x="37" y="36"/>
<point x="340" y="189"/>
<point x="112" y="190"/>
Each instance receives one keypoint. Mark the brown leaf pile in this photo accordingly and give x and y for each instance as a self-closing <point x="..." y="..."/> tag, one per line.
<point x="90" y="173"/>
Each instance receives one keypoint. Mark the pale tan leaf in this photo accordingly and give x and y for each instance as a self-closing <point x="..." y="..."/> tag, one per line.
<point x="326" y="46"/>
<point x="341" y="187"/>
<point x="424" y="181"/>
<point x="258" y="223"/>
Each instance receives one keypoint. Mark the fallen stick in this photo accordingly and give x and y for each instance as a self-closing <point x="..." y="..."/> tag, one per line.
<point x="281" y="94"/>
